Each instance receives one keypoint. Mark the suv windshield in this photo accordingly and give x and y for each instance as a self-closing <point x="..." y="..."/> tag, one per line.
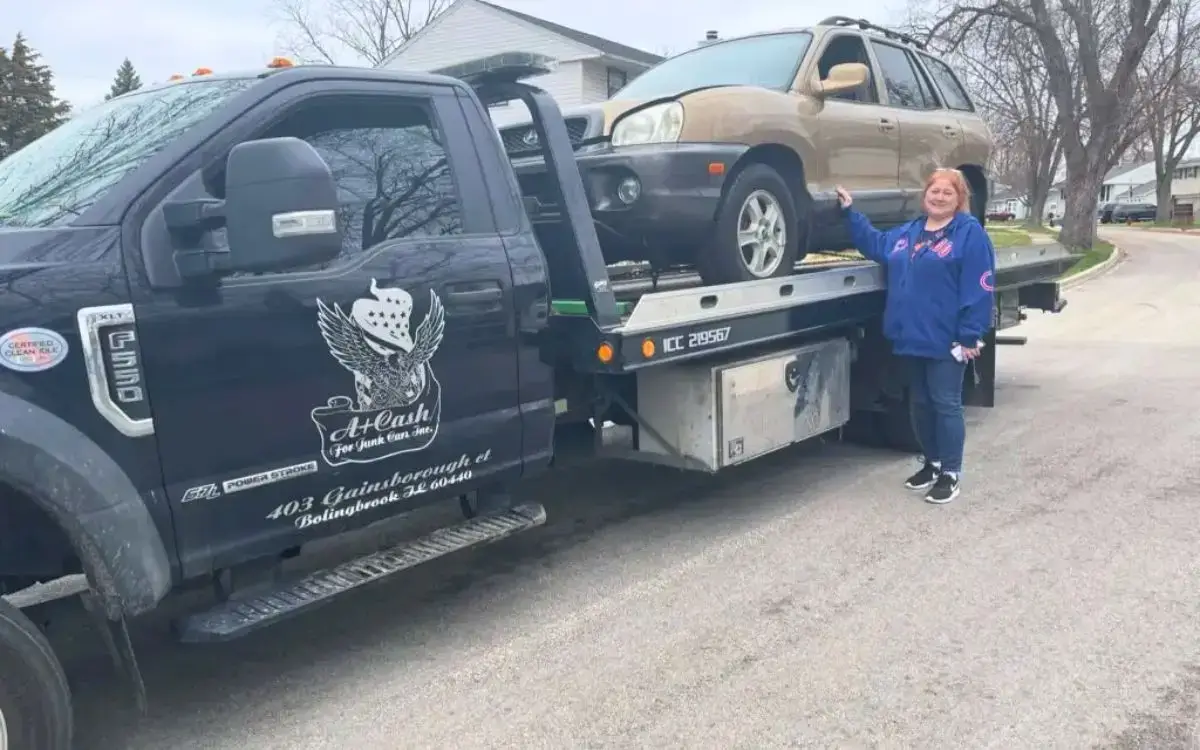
<point x="56" y="178"/>
<point x="770" y="61"/>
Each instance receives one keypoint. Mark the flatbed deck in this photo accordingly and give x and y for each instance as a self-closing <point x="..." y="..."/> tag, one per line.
<point x="684" y="319"/>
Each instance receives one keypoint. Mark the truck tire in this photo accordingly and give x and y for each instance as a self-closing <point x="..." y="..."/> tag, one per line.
<point x="35" y="700"/>
<point x="757" y="231"/>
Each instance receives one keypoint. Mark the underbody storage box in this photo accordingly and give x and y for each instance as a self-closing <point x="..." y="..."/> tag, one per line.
<point x="712" y="415"/>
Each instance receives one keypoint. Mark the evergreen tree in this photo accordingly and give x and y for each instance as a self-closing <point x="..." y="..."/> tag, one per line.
<point x="28" y="107"/>
<point x="5" y="96"/>
<point x="127" y="80"/>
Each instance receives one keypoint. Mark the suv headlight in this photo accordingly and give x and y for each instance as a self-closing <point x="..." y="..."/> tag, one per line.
<point x="661" y="123"/>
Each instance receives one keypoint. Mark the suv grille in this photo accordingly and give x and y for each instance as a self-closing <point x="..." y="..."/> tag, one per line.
<point x="515" y="138"/>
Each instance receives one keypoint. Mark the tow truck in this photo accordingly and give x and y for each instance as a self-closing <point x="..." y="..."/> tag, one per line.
<point x="246" y="312"/>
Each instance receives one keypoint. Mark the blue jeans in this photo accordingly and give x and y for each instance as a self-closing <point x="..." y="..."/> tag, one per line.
<point x="937" y="410"/>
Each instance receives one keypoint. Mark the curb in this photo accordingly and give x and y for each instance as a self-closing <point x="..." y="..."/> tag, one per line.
<point x="1113" y="259"/>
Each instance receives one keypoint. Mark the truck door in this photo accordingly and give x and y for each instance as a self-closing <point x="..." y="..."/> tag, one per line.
<point x="300" y="404"/>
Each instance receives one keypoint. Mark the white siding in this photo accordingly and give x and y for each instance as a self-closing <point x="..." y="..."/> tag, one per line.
<point x="564" y="84"/>
<point x="1185" y="188"/>
<point x="595" y="81"/>
<point x="468" y="31"/>
<point x="1056" y="202"/>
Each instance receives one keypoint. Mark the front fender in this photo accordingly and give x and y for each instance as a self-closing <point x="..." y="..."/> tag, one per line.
<point x="93" y="501"/>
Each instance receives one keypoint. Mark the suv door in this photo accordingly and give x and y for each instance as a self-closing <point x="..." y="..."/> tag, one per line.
<point x="929" y="134"/>
<point x="857" y="136"/>
<point x="301" y="404"/>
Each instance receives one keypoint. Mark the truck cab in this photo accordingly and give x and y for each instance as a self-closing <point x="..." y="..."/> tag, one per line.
<point x="250" y="389"/>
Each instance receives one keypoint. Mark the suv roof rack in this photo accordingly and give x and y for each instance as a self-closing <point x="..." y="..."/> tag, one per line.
<point x="866" y="25"/>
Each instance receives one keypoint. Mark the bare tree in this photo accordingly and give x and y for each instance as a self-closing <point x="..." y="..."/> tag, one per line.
<point x="1105" y="41"/>
<point x="1008" y="86"/>
<point x="368" y="30"/>
<point x="1169" y="92"/>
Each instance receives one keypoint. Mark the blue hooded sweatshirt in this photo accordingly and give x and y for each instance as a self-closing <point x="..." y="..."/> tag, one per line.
<point x="940" y="285"/>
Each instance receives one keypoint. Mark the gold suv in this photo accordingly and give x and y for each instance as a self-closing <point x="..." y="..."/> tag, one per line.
<point x="725" y="157"/>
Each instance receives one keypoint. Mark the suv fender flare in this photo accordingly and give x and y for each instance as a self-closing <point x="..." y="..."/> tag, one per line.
<point x="92" y="499"/>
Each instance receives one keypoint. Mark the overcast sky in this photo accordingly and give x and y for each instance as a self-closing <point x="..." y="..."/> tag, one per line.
<point x="85" y="40"/>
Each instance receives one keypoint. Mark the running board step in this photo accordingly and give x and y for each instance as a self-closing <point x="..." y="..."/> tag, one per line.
<point x="235" y="618"/>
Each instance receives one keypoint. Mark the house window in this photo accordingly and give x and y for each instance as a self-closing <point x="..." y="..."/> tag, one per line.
<point x="1011" y="207"/>
<point x="617" y="79"/>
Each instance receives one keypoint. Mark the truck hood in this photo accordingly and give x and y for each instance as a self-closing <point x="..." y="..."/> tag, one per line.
<point x="24" y="252"/>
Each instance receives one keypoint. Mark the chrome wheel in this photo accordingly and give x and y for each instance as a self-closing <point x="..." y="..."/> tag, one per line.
<point x="762" y="234"/>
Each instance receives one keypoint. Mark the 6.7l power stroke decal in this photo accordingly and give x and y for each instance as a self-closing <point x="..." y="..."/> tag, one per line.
<point x="398" y="400"/>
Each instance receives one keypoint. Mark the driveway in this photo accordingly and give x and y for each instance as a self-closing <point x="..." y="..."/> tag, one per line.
<point x="806" y="601"/>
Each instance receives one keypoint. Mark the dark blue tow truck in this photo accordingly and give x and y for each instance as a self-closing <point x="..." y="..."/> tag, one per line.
<point x="242" y="313"/>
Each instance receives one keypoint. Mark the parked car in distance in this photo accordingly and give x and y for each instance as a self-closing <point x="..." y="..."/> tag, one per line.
<point x="725" y="157"/>
<point x="1000" y="216"/>
<point x="1104" y="213"/>
<point x="1128" y="212"/>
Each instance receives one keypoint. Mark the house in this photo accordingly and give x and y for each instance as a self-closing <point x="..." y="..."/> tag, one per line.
<point x="1129" y="183"/>
<point x="589" y="69"/>
<point x="1185" y="190"/>
<point x="1009" y="201"/>
<point x="1056" y="199"/>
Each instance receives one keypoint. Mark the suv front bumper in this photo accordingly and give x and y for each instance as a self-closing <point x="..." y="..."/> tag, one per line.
<point x="641" y="194"/>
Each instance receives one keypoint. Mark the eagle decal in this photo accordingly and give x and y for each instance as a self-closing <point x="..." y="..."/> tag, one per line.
<point x="397" y="403"/>
<point x="373" y="342"/>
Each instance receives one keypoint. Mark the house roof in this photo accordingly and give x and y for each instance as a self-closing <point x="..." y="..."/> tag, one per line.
<point x="606" y="46"/>
<point x="1119" y="170"/>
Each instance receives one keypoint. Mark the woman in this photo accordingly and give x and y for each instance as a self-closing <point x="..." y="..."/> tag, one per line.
<point x="940" y="269"/>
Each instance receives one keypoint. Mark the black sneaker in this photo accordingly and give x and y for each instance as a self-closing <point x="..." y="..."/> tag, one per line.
<point x="923" y="479"/>
<point x="944" y="489"/>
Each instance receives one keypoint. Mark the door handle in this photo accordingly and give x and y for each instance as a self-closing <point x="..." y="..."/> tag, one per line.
<point x="474" y="296"/>
<point x="950" y="131"/>
<point x="886" y="125"/>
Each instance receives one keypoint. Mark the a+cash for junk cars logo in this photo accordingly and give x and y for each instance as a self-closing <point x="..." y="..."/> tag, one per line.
<point x="398" y="400"/>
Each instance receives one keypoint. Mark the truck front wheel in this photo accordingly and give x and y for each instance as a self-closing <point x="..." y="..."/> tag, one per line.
<point x="35" y="700"/>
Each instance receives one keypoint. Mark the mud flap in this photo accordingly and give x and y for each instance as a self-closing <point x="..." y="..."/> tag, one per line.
<point x="979" y="380"/>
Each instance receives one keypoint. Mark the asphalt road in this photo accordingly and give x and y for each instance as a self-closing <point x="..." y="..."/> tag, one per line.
<point x="807" y="601"/>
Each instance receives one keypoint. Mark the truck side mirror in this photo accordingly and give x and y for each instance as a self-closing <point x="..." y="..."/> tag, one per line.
<point x="280" y="206"/>
<point x="279" y="212"/>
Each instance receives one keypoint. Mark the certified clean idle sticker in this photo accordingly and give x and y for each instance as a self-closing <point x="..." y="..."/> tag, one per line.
<point x="32" y="349"/>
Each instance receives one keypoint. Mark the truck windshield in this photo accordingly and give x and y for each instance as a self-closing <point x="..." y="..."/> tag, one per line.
<point x="56" y="178"/>
<point x="770" y="61"/>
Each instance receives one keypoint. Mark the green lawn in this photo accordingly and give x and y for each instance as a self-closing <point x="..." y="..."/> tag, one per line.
<point x="1178" y="225"/>
<point x="1099" y="253"/>
<point x="1008" y="236"/>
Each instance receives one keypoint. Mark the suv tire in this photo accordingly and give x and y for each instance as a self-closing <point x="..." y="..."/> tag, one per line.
<point x="35" y="700"/>
<point x="757" y="207"/>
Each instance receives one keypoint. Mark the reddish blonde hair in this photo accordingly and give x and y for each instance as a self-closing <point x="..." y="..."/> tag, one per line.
<point x="957" y="181"/>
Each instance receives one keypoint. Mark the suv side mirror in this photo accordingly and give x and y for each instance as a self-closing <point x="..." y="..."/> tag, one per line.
<point x="842" y="77"/>
<point x="279" y="212"/>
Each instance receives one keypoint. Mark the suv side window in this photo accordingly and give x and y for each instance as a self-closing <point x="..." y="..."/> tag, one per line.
<point x="953" y="92"/>
<point x="903" y="81"/>
<point x="393" y="176"/>
<point x="849" y="48"/>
